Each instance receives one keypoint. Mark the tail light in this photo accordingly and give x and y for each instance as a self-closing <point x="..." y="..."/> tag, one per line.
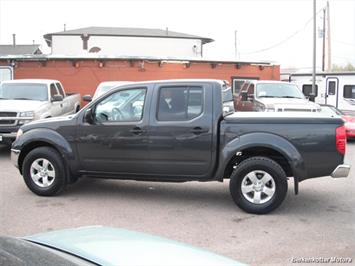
<point x="340" y="139"/>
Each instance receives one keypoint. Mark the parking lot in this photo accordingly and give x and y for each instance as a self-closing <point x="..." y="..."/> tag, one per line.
<point x="319" y="222"/>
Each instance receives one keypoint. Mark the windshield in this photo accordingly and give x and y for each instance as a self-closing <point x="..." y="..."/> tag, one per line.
<point x="227" y="95"/>
<point x="278" y="90"/>
<point x="24" y="91"/>
<point x="101" y="90"/>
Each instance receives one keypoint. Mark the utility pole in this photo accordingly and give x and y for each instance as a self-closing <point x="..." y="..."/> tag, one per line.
<point x="314" y="47"/>
<point x="323" y="36"/>
<point x="235" y="44"/>
<point x="329" y="63"/>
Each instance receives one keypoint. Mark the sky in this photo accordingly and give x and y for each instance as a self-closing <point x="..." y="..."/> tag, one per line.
<point x="271" y="30"/>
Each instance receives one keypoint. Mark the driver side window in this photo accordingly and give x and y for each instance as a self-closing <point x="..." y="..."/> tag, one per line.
<point x="121" y="106"/>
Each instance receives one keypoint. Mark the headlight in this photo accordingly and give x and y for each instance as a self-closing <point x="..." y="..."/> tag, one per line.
<point x="19" y="133"/>
<point x="29" y="114"/>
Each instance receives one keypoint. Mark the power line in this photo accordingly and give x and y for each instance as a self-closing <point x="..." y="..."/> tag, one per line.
<point x="286" y="39"/>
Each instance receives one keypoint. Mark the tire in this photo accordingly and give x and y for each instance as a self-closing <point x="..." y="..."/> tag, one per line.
<point x="44" y="172"/>
<point x="258" y="185"/>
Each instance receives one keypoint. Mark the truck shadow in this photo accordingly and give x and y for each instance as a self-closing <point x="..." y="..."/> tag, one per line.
<point x="190" y="194"/>
<point x="214" y="195"/>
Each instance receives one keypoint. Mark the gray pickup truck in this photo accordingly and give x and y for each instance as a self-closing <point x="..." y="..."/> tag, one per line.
<point x="176" y="131"/>
<point x="25" y="100"/>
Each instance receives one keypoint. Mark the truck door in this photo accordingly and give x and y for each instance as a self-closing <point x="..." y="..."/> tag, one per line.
<point x="332" y="91"/>
<point x="116" y="141"/>
<point x="180" y="131"/>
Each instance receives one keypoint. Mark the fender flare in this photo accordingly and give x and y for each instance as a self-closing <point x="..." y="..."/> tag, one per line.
<point x="265" y="140"/>
<point x="47" y="136"/>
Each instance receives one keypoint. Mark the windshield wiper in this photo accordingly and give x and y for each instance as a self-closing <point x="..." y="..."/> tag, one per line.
<point x="22" y="99"/>
<point x="269" y="96"/>
<point x="292" y="97"/>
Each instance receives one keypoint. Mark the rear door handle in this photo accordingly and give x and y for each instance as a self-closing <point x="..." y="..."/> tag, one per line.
<point x="199" y="130"/>
<point x="137" y="130"/>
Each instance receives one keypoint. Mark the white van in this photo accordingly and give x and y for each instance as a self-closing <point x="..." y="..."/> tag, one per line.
<point x="336" y="89"/>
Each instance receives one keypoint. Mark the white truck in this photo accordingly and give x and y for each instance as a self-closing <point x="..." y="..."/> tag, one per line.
<point x="336" y="89"/>
<point x="25" y="100"/>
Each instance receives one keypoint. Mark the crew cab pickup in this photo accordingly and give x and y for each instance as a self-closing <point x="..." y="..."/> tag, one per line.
<point x="25" y="100"/>
<point x="272" y="96"/>
<point x="176" y="131"/>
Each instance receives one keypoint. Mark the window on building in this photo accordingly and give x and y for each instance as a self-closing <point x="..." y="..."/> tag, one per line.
<point x="180" y="103"/>
<point x="331" y="88"/>
<point x="349" y="91"/>
<point x="307" y="90"/>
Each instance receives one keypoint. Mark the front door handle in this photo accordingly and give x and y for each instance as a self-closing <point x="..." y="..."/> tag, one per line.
<point x="137" y="130"/>
<point x="199" y="130"/>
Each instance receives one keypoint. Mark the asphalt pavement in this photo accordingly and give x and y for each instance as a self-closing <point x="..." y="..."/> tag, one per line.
<point x="317" y="223"/>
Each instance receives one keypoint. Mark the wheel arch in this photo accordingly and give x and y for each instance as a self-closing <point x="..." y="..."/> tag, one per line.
<point x="267" y="145"/>
<point x="44" y="138"/>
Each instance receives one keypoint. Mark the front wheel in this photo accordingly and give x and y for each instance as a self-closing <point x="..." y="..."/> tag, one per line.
<point x="258" y="185"/>
<point x="44" y="172"/>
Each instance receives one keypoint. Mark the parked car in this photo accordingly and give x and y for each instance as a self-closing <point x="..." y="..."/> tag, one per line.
<point x="272" y="96"/>
<point x="97" y="245"/>
<point x="176" y="131"/>
<point x="26" y="100"/>
<point x="349" y="119"/>
<point x="104" y="87"/>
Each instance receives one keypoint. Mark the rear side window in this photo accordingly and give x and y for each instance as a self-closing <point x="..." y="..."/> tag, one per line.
<point x="53" y="90"/>
<point x="180" y="103"/>
<point x="307" y="90"/>
<point x="349" y="91"/>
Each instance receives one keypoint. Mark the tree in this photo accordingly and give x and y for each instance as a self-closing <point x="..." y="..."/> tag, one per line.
<point x="348" y="67"/>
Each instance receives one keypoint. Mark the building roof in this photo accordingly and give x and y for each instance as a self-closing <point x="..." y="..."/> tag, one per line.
<point x="23" y="49"/>
<point x="131" y="32"/>
<point x="47" y="57"/>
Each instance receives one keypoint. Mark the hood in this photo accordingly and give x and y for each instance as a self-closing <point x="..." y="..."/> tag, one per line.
<point x="111" y="246"/>
<point x="289" y="103"/>
<point x="20" y="105"/>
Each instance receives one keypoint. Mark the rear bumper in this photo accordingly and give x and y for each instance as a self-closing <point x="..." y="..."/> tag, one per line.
<point x="342" y="170"/>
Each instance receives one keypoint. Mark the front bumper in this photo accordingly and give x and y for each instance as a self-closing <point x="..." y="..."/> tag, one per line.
<point x="7" y="138"/>
<point x="342" y="170"/>
<point x="14" y="156"/>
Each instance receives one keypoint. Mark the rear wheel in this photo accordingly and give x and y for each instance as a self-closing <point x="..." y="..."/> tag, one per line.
<point x="258" y="185"/>
<point x="43" y="171"/>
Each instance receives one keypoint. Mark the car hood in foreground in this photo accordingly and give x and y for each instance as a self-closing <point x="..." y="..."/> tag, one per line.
<point x="110" y="246"/>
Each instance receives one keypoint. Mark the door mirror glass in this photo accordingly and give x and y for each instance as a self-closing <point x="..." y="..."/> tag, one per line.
<point x="57" y="98"/>
<point x="312" y="97"/>
<point x="87" y="98"/>
<point x="89" y="117"/>
<point x="244" y="95"/>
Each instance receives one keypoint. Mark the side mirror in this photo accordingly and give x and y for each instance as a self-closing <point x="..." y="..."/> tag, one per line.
<point x="87" y="98"/>
<point x="250" y="97"/>
<point x="57" y="98"/>
<point x="312" y="97"/>
<point x="89" y="116"/>
<point x="244" y="95"/>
